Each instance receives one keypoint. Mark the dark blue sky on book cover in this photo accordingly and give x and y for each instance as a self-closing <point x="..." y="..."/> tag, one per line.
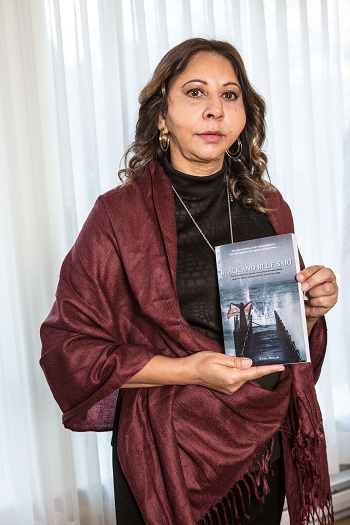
<point x="262" y="304"/>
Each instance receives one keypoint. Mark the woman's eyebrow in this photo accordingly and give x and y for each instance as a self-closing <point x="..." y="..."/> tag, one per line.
<point x="232" y="84"/>
<point x="206" y="83"/>
<point x="195" y="80"/>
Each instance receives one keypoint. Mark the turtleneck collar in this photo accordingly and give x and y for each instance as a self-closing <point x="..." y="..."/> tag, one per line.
<point x="193" y="185"/>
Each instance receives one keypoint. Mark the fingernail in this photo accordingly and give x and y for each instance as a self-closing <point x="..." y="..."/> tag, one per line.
<point x="246" y="361"/>
<point x="304" y="287"/>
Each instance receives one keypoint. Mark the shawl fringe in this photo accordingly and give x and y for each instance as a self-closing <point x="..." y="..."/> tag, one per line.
<point x="312" y="498"/>
<point x="237" y="503"/>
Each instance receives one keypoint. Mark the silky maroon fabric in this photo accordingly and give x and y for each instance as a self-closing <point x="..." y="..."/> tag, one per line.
<point x="182" y="448"/>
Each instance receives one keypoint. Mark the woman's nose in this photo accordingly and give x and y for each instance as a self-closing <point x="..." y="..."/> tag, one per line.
<point x="214" y="108"/>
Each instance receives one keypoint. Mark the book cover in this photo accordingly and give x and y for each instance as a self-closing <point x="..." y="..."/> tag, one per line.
<point x="262" y="304"/>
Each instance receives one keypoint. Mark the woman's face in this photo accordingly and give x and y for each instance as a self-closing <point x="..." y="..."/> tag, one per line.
<point x="205" y="114"/>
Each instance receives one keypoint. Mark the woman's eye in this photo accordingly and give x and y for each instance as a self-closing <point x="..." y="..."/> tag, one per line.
<point x="230" y="95"/>
<point x="195" y="92"/>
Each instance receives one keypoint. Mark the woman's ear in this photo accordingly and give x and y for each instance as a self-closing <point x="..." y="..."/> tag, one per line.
<point x="161" y="123"/>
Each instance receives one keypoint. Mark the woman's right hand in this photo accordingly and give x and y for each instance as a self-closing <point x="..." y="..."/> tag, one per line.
<point x="222" y="372"/>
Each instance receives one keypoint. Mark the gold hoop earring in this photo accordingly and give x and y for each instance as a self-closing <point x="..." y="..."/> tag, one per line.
<point x="163" y="92"/>
<point x="164" y="140"/>
<point x="238" y="152"/>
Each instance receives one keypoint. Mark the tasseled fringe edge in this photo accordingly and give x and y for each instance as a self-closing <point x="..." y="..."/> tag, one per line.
<point x="325" y="516"/>
<point x="238" y="501"/>
<point x="319" y="516"/>
<point x="315" y="501"/>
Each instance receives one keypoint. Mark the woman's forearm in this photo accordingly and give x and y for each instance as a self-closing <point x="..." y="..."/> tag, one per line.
<point x="161" y="370"/>
<point x="213" y="370"/>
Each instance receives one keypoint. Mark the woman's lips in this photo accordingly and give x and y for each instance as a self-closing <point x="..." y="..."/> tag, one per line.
<point x="211" y="136"/>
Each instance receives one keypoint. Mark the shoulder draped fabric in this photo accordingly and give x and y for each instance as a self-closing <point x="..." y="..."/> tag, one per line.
<point x="182" y="448"/>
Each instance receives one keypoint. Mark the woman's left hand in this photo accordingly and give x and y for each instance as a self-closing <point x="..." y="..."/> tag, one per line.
<point x="320" y="285"/>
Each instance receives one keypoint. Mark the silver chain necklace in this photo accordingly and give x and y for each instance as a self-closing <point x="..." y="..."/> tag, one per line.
<point x="195" y="223"/>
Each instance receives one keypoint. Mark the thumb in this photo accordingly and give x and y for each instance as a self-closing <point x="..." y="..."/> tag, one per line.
<point x="240" y="362"/>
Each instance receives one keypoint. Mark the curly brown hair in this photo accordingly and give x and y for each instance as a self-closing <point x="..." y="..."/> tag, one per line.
<point x="246" y="173"/>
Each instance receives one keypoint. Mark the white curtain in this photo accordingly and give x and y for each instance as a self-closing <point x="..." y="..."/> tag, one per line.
<point x="70" y="74"/>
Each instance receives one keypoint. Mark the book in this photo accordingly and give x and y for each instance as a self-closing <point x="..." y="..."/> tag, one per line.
<point x="262" y="304"/>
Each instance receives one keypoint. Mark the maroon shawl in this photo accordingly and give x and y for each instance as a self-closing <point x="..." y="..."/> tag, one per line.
<point x="182" y="448"/>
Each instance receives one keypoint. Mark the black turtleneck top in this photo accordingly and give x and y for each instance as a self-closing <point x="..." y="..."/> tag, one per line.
<point x="197" y="285"/>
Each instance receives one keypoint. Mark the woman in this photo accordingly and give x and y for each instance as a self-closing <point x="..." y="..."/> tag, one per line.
<point x="199" y="436"/>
